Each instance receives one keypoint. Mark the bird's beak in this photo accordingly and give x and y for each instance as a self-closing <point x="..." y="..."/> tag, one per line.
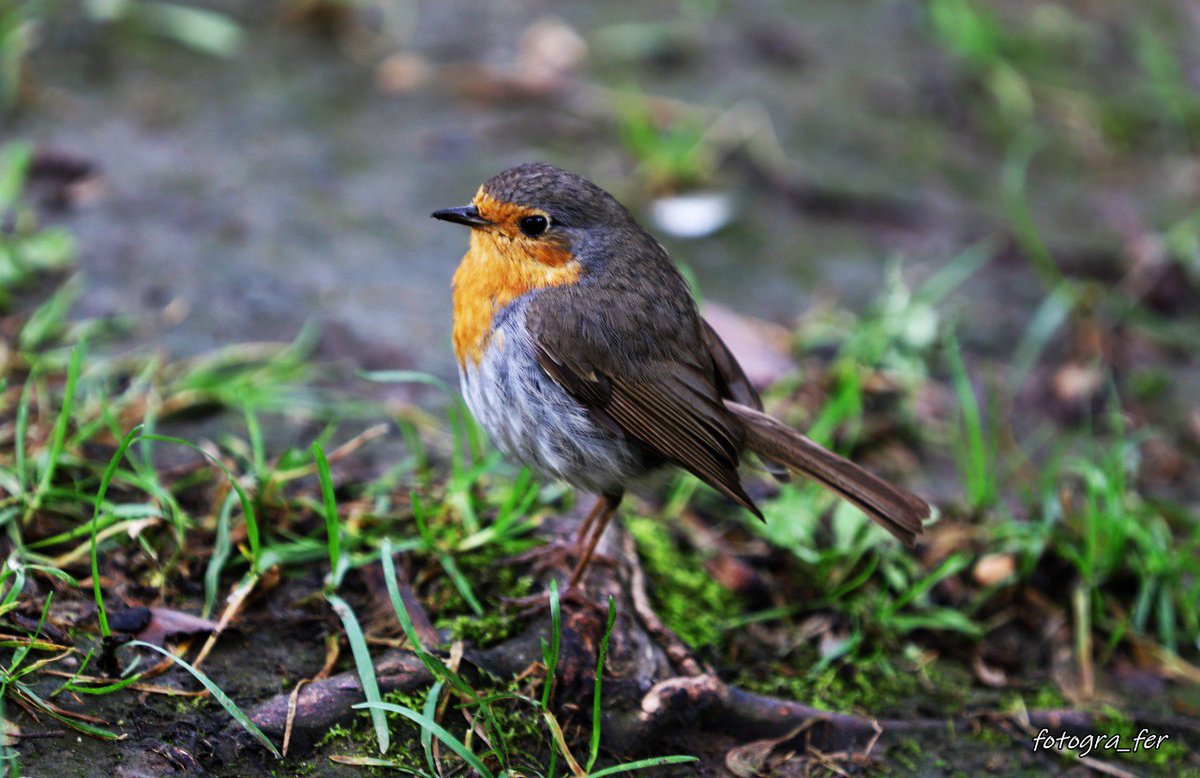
<point x="467" y="214"/>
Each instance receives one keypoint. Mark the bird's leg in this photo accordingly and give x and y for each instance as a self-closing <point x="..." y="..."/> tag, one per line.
<point x="555" y="551"/>
<point x="586" y="538"/>
<point x="600" y="516"/>
<point x="584" y="527"/>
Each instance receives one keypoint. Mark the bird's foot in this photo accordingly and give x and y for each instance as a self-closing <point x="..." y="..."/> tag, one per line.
<point x="540" y="603"/>
<point x="553" y="554"/>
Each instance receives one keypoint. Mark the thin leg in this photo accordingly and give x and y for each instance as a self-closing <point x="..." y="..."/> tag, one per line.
<point x="581" y="534"/>
<point x="600" y="516"/>
<point x="556" y="551"/>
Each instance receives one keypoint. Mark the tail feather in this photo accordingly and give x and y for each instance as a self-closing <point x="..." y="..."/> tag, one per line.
<point x="899" y="511"/>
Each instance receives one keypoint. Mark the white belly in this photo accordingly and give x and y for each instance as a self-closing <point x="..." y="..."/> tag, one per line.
<point x="532" y="420"/>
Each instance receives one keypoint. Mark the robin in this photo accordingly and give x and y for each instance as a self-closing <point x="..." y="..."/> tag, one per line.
<point x="582" y="353"/>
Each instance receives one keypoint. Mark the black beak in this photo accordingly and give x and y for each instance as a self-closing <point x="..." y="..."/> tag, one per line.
<point x="468" y="215"/>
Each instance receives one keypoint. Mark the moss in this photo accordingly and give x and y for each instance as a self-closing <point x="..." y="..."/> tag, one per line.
<point x="878" y="686"/>
<point x="686" y="597"/>
<point x="481" y="631"/>
<point x="357" y="738"/>
<point x="1045" y="698"/>
<point x="518" y="724"/>
<point x="335" y="732"/>
<point x="494" y="626"/>
<point x="1171" y="753"/>
<point x="905" y="752"/>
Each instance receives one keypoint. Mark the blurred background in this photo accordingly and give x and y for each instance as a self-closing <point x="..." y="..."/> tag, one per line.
<point x="959" y="240"/>
<point x="247" y="167"/>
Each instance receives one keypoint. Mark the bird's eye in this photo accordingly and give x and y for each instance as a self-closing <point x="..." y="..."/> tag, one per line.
<point x="533" y="225"/>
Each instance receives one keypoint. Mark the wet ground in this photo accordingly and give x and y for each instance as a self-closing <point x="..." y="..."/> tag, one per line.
<point x="281" y="185"/>
<point x="245" y="197"/>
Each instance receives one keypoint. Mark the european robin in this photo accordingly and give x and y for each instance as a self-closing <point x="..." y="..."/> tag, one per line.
<point x="582" y="353"/>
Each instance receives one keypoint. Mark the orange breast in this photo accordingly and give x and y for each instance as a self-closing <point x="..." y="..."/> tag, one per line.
<point x="496" y="270"/>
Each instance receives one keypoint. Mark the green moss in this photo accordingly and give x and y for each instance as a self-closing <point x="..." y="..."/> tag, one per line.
<point x="337" y="731"/>
<point x="1172" y="752"/>
<point x="494" y="626"/>
<point x="877" y="686"/>
<point x="1046" y="698"/>
<point x="905" y="753"/>
<point x="520" y="727"/>
<point x="481" y="631"/>
<point x="685" y="596"/>
<point x="357" y="737"/>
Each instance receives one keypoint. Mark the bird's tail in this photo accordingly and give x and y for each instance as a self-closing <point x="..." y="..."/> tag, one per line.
<point x="899" y="511"/>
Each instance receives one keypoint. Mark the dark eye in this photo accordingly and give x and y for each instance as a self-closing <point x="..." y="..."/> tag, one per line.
<point x="533" y="225"/>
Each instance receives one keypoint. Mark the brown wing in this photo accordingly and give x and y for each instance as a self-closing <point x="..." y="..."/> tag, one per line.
<point x="735" y="383"/>
<point x="736" y="386"/>
<point x="671" y="407"/>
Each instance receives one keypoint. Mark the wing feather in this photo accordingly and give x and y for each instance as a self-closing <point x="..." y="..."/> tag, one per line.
<point x="669" y="407"/>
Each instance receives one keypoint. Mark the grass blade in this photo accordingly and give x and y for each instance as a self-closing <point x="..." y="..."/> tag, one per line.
<point x="453" y="743"/>
<point x="252" y="535"/>
<point x="218" y="695"/>
<point x="550" y="652"/>
<point x="22" y="435"/>
<point x="560" y="743"/>
<point x="429" y="712"/>
<point x="109" y="472"/>
<point x="594" y="745"/>
<point x="332" y="527"/>
<point x="220" y="553"/>
<point x="643" y="764"/>
<point x="60" y="428"/>
<point x="460" y="582"/>
<point x="366" y="670"/>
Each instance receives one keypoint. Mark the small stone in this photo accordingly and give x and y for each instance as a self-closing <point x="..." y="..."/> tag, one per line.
<point x="992" y="569"/>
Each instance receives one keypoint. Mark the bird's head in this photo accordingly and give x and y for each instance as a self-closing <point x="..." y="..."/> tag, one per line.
<point x="536" y="215"/>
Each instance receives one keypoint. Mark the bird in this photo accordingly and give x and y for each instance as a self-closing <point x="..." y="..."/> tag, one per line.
<point x="584" y="356"/>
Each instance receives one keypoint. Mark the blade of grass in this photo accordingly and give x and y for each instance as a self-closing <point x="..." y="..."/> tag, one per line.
<point x="252" y="535"/>
<point x="560" y="743"/>
<point x="453" y="743"/>
<point x="109" y="471"/>
<point x="366" y="670"/>
<point x="230" y="707"/>
<point x="434" y="664"/>
<point x="429" y="712"/>
<point x="1045" y="321"/>
<point x="60" y="428"/>
<point x="18" y="585"/>
<point x="332" y="527"/>
<point x="105" y="689"/>
<point x="460" y="582"/>
<point x="30" y="697"/>
<point x="220" y="553"/>
<point x="1014" y="178"/>
<point x="644" y="764"/>
<point x="393" y="590"/>
<point x="594" y="745"/>
<point x="976" y="462"/>
<point x="22" y="435"/>
<point x="550" y="652"/>
<point x="258" y="457"/>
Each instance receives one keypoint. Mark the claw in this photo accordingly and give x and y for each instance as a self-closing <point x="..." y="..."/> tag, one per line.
<point x="539" y="603"/>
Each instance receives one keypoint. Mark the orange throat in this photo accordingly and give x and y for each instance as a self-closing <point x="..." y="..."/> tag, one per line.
<point x="496" y="270"/>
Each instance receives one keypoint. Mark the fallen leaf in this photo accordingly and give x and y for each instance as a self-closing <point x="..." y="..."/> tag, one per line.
<point x="761" y="348"/>
<point x="155" y="625"/>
